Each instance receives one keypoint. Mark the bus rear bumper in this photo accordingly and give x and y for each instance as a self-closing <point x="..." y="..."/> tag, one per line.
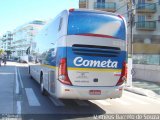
<point x="84" y="92"/>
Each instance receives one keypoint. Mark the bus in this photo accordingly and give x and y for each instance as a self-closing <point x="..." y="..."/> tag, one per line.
<point x="81" y="54"/>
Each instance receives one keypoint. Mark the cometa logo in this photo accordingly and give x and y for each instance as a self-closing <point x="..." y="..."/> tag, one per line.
<point x="79" y="61"/>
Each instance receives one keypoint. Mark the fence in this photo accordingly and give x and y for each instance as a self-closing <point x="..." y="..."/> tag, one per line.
<point x="147" y="59"/>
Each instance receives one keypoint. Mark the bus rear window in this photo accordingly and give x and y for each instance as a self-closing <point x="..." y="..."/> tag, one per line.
<point x="81" y="22"/>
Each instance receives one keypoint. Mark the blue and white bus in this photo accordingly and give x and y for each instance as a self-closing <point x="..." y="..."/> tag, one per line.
<point x="81" y="54"/>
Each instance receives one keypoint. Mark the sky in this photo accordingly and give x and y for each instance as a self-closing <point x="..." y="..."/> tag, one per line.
<point x="14" y="13"/>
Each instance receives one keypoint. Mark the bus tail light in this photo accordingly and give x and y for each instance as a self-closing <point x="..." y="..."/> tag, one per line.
<point x="120" y="16"/>
<point x="71" y="10"/>
<point x="62" y="72"/>
<point x="123" y="77"/>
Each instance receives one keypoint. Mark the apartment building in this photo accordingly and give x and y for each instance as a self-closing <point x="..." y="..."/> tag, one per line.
<point x="6" y="41"/>
<point x="118" y="6"/>
<point x="146" y="44"/>
<point x="23" y="37"/>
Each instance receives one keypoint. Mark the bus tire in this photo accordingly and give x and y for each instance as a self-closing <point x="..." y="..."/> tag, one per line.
<point x="29" y="70"/>
<point x="43" y="92"/>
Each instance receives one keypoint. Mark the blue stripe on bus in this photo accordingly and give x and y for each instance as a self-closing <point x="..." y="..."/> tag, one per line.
<point x="66" y="52"/>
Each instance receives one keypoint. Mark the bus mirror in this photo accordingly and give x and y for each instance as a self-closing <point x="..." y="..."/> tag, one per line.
<point x="28" y="51"/>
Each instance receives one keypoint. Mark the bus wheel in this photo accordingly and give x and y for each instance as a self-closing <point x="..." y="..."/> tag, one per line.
<point x="29" y="70"/>
<point x="42" y="85"/>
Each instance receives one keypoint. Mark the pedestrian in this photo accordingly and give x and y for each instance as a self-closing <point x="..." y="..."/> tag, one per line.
<point x="0" y="59"/>
<point x="5" y="59"/>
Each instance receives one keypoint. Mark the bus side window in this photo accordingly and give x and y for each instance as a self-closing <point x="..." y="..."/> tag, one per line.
<point x="60" y="24"/>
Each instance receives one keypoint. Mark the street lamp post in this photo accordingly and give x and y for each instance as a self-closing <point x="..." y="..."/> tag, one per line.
<point x="130" y="43"/>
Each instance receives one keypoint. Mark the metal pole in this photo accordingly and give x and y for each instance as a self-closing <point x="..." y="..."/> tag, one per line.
<point x="130" y="43"/>
<point x="131" y="37"/>
<point x="131" y="11"/>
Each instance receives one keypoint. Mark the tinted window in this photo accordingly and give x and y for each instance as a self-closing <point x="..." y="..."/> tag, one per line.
<point x="94" y="23"/>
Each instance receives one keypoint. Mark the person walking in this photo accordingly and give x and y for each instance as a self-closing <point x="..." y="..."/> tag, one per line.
<point x="5" y="59"/>
<point x="0" y="59"/>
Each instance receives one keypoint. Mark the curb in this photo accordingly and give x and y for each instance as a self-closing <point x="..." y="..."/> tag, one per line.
<point x="141" y="91"/>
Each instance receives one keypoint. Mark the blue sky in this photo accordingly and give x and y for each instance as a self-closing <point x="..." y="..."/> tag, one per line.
<point x="14" y="13"/>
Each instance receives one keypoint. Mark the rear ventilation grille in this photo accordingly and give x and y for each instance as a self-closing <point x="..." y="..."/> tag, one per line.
<point x="94" y="50"/>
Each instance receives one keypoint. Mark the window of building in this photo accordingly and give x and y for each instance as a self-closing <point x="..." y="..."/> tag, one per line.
<point x="158" y="18"/>
<point x="141" y="18"/>
<point x="141" y="21"/>
<point x="134" y="2"/>
<point x="100" y="3"/>
<point x="82" y="0"/>
<point x="38" y="22"/>
<point x="141" y="1"/>
<point x="31" y="28"/>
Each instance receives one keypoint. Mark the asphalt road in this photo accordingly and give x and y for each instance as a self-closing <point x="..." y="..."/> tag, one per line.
<point x="20" y="94"/>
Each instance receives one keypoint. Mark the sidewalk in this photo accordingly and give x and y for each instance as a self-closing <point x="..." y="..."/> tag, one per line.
<point x="150" y="89"/>
<point x="9" y="63"/>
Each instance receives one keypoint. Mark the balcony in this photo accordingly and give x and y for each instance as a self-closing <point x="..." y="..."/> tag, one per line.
<point x="82" y="4"/>
<point x="149" y="25"/>
<point x="146" y="8"/>
<point x="109" y="6"/>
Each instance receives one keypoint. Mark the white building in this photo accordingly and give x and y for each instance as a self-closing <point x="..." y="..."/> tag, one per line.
<point x="6" y="41"/>
<point x="23" y="37"/>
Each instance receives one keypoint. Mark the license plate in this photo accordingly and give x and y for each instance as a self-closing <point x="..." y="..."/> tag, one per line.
<point x="95" y="92"/>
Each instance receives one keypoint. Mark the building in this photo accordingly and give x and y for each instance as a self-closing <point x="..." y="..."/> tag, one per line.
<point x="146" y="44"/>
<point x="146" y="32"/>
<point x="1" y="43"/>
<point x="118" y="6"/>
<point x="23" y="38"/>
<point x="6" y="43"/>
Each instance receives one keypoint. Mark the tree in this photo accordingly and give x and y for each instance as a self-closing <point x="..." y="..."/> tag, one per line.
<point x="8" y="52"/>
<point x="1" y="51"/>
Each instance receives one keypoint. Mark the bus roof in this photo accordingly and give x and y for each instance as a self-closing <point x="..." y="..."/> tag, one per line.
<point x="95" y="11"/>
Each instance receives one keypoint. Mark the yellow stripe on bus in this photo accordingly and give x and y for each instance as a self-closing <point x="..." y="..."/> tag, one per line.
<point x="95" y="69"/>
<point x="49" y="66"/>
<point x="86" y="69"/>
